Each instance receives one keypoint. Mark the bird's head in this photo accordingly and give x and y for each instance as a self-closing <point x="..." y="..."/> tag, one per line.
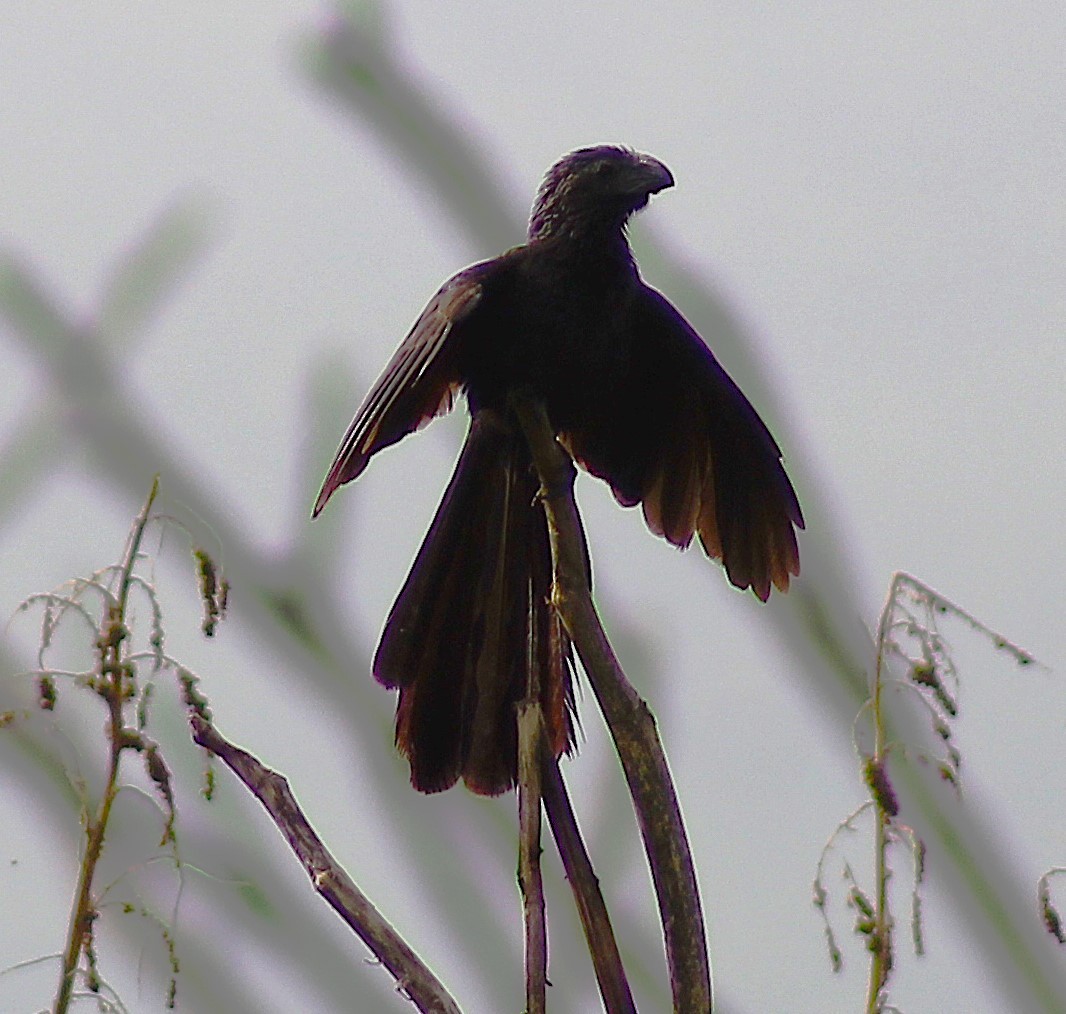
<point x="590" y="193"/>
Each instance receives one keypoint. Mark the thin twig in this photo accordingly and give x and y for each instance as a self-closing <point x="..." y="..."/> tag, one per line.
<point x="328" y="878"/>
<point x="610" y="975"/>
<point x="631" y="724"/>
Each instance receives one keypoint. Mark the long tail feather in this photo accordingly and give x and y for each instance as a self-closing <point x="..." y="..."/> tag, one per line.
<point x="472" y="616"/>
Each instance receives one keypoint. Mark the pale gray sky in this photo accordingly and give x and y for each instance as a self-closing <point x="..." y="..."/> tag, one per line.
<point x="875" y="194"/>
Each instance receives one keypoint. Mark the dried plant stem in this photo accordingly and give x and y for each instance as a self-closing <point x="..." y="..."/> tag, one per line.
<point x="328" y="878"/>
<point x="631" y="724"/>
<point x="111" y="687"/>
<point x="880" y="942"/>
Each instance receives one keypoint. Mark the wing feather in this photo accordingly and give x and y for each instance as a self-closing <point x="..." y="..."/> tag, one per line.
<point x="419" y="383"/>
<point x="696" y="453"/>
<point x="740" y="501"/>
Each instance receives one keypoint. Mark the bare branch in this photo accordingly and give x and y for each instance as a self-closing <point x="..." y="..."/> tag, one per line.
<point x="530" y="735"/>
<point x="611" y="976"/>
<point x="327" y="877"/>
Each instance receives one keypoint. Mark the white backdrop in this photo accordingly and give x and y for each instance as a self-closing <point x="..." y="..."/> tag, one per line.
<point x="874" y="196"/>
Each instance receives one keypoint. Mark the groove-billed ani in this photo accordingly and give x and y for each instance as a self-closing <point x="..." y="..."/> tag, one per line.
<point x="634" y="395"/>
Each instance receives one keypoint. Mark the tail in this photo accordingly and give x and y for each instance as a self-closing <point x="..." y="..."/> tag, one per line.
<point x="473" y="614"/>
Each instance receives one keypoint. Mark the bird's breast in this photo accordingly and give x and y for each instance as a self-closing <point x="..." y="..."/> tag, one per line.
<point x="559" y="333"/>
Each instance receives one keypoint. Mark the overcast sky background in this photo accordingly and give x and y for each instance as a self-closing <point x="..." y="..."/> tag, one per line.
<point x="875" y="195"/>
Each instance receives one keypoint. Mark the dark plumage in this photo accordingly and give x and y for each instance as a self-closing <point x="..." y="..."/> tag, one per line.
<point x="635" y="396"/>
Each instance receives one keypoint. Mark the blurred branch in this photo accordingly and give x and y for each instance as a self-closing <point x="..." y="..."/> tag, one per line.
<point x="354" y="63"/>
<point x="631" y="724"/>
<point x="413" y="977"/>
<point x="22" y="463"/>
<point x="167" y="252"/>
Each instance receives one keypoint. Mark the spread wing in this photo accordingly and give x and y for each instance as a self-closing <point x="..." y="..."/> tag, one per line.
<point x="698" y="457"/>
<point x="419" y="383"/>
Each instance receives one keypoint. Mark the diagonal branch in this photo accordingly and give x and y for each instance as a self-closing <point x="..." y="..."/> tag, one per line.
<point x="610" y="975"/>
<point x="327" y="876"/>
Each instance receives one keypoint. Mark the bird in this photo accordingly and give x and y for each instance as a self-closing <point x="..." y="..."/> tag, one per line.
<point x="634" y="395"/>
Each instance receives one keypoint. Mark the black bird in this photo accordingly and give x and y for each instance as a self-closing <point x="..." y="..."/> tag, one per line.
<point x="634" y="395"/>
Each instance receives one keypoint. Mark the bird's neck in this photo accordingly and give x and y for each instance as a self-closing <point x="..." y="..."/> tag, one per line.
<point x="602" y="251"/>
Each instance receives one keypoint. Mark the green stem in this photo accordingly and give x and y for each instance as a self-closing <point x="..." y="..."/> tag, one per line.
<point x="881" y="939"/>
<point x="112" y="637"/>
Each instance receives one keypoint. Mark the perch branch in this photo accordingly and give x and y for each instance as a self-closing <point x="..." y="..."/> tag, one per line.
<point x="631" y="724"/>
